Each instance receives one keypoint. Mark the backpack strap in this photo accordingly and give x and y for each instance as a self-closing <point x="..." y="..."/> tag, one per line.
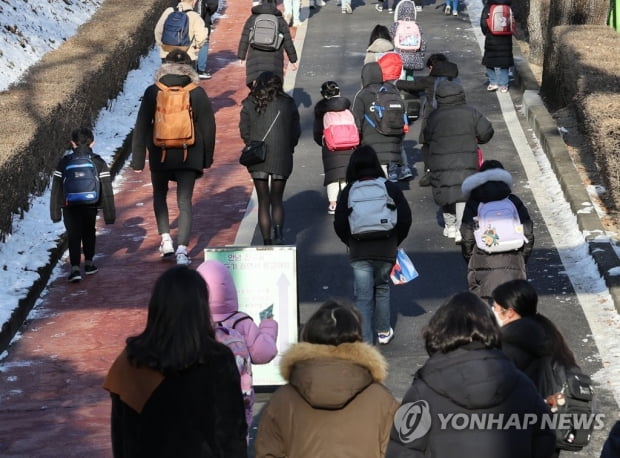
<point x="243" y="316"/>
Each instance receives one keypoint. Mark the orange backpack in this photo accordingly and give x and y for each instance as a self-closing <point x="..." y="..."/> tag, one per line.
<point x="173" y="126"/>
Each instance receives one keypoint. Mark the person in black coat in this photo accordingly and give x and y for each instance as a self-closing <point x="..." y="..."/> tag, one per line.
<point x="464" y="397"/>
<point x="269" y="107"/>
<point x="485" y="270"/>
<point x="372" y="259"/>
<point x="258" y="61"/>
<point x="80" y="220"/>
<point x="175" y="390"/>
<point x="334" y="162"/>
<point x="497" y="56"/>
<point x="453" y="132"/>
<point x="173" y="164"/>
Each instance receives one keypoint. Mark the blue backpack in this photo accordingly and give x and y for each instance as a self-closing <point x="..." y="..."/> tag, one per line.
<point x="81" y="184"/>
<point x="176" y="31"/>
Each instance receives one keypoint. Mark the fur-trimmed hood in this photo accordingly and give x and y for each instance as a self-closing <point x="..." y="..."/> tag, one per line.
<point x="329" y="376"/>
<point x="478" y="179"/>
<point x="175" y="69"/>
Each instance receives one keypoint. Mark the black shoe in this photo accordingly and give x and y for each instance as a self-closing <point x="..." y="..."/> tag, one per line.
<point x="278" y="237"/>
<point x="426" y="179"/>
<point x="90" y="269"/>
<point x="75" y="275"/>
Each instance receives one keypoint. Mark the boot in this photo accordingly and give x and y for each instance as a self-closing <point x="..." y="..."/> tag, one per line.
<point x="267" y="242"/>
<point x="278" y="237"/>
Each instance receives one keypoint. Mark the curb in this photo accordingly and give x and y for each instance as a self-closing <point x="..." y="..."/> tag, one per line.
<point x="546" y="130"/>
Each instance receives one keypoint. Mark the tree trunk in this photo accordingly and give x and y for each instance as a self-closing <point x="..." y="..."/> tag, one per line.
<point x="537" y="29"/>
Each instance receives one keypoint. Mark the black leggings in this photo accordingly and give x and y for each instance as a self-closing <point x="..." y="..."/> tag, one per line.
<point x="270" y="207"/>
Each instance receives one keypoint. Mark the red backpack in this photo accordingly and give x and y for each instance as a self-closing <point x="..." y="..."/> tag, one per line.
<point x="500" y="20"/>
<point x="340" y="131"/>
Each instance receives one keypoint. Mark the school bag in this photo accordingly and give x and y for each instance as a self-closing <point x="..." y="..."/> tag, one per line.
<point x="226" y="334"/>
<point x="173" y="124"/>
<point x="500" y="20"/>
<point x="407" y="35"/>
<point x="265" y="33"/>
<point x="372" y="212"/>
<point x="81" y="185"/>
<point x="388" y="112"/>
<point x="499" y="227"/>
<point x="340" y="131"/>
<point x="175" y="34"/>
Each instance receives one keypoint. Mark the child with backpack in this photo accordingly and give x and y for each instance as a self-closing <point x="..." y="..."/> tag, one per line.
<point x="335" y="131"/>
<point x="496" y="24"/>
<point x="496" y="248"/>
<point x="372" y="218"/>
<point x="80" y="185"/>
<point x="251" y="344"/>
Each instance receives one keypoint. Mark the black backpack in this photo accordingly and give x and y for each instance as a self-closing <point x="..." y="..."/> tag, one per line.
<point x="81" y="185"/>
<point x="265" y="33"/>
<point x="388" y="114"/>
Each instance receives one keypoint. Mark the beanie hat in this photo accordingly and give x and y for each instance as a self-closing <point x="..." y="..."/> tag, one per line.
<point x="222" y="292"/>
<point x="391" y="65"/>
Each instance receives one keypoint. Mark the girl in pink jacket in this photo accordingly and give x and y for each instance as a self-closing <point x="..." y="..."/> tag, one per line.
<point x="260" y="341"/>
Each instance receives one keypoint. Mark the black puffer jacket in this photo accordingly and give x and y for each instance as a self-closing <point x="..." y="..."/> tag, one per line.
<point x="497" y="48"/>
<point x="485" y="271"/>
<point x="383" y="249"/>
<point x="334" y="162"/>
<point x="259" y="61"/>
<point x="200" y="154"/>
<point x="282" y="138"/>
<point x="453" y="132"/>
<point x="466" y="381"/>
<point x="387" y="147"/>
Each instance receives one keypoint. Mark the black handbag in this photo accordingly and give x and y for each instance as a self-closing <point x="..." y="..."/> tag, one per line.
<point x="256" y="151"/>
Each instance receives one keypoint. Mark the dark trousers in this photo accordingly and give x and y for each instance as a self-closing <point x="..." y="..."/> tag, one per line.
<point x="80" y="224"/>
<point x="185" y="188"/>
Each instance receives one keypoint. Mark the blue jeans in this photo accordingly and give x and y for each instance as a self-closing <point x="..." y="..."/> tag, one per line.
<point x="454" y="4"/>
<point x="498" y="76"/>
<point x="372" y="296"/>
<point x="203" y="53"/>
<point x="185" y="188"/>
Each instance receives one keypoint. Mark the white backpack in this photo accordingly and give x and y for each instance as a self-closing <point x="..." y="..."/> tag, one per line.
<point x="372" y="212"/>
<point x="499" y="227"/>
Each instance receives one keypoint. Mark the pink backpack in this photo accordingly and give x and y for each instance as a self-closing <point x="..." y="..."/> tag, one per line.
<point x="407" y="36"/>
<point x="339" y="130"/>
<point x="500" y="20"/>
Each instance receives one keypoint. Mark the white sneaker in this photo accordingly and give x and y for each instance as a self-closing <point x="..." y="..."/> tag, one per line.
<point x="458" y="238"/>
<point x="182" y="257"/>
<point x="320" y="3"/>
<point x="448" y="10"/>
<point x="166" y="248"/>
<point x="385" y="338"/>
<point x="449" y="231"/>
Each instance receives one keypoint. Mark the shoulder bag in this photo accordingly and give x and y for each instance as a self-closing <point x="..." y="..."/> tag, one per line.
<point x="256" y="151"/>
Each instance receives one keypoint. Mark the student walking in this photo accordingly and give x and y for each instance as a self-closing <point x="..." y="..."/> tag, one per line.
<point x="488" y="268"/>
<point x="207" y="10"/>
<point x="334" y="162"/>
<point x="452" y="133"/>
<point x="334" y="403"/>
<point x="379" y="43"/>
<point x="270" y="114"/>
<point x="80" y="186"/>
<point x="175" y="390"/>
<point x="498" y="57"/>
<point x="182" y="165"/>
<point x="373" y="255"/>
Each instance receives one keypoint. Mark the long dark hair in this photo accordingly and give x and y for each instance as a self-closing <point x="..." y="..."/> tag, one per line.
<point x="178" y="333"/>
<point x="335" y="322"/>
<point x="364" y="163"/>
<point x="379" y="31"/>
<point x="522" y="297"/>
<point x="463" y="319"/>
<point x="266" y="88"/>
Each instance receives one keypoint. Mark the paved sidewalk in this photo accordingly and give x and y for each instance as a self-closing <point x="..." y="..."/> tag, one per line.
<point x="51" y="400"/>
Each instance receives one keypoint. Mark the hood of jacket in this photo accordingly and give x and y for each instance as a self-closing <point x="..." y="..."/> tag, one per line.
<point x="174" y="74"/>
<point x="266" y="8"/>
<point x="380" y="45"/>
<point x="222" y="291"/>
<point x="471" y="376"/>
<point x="496" y="183"/>
<point x="445" y="68"/>
<point x="329" y="376"/>
<point x="391" y="66"/>
<point x="450" y="93"/>
<point x="371" y="74"/>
